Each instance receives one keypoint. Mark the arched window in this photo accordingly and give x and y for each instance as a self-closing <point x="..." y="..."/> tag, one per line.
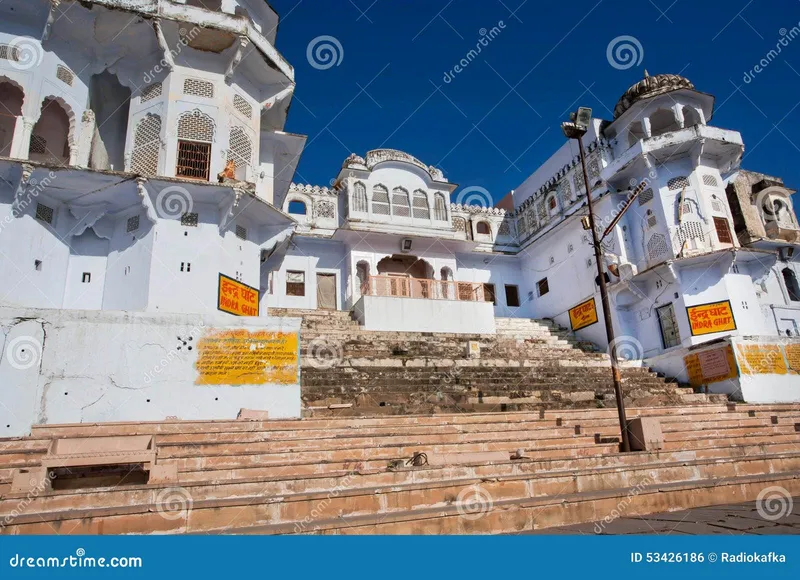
<point x="663" y="121"/>
<point x="635" y="133"/>
<point x="690" y="117"/>
<point x="483" y="229"/>
<point x="552" y="205"/>
<point x="146" y="146"/>
<point x="792" y="287"/>
<point x="195" y="135"/>
<point x="781" y="213"/>
<point x="380" y="200"/>
<point x="50" y="137"/>
<point x="421" y="209"/>
<point x="297" y="207"/>
<point x="439" y="208"/>
<point x="362" y="275"/>
<point x="11" y="98"/>
<point x="400" y="203"/>
<point x="240" y="151"/>
<point x="359" y="197"/>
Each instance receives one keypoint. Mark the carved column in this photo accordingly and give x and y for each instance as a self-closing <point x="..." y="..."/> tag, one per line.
<point x="21" y="142"/>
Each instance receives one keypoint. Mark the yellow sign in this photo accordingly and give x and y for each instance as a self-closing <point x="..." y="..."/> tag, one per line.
<point x="710" y="318"/>
<point x="711" y="366"/>
<point x="793" y="357"/>
<point x="761" y="359"/>
<point x="236" y="298"/>
<point x="583" y="315"/>
<point x="241" y="357"/>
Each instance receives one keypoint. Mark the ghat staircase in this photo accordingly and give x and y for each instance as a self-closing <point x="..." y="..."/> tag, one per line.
<point x="434" y="474"/>
<point x="527" y="365"/>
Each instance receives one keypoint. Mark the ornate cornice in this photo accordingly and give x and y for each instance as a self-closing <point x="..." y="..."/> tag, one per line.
<point x="377" y="156"/>
<point x="312" y="189"/>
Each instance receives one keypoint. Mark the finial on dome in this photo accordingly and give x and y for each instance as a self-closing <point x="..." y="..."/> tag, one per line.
<point x="646" y="74"/>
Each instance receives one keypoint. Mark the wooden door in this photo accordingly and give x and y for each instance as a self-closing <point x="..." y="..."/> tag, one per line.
<point x="326" y="291"/>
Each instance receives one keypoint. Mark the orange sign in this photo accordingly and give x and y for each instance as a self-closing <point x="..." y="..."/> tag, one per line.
<point x="242" y="357"/>
<point x="583" y="315"/>
<point x="236" y="298"/>
<point x="710" y="318"/>
<point x="761" y="359"/>
<point x="711" y="366"/>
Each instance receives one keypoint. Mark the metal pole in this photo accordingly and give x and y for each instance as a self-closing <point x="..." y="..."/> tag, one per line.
<point x="623" y="423"/>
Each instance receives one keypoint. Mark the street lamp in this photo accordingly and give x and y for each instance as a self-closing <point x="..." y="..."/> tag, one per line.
<point x="576" y="128"/>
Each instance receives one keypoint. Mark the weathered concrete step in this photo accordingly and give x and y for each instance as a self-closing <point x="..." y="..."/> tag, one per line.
<point x="431" y="486"/>
<point x="513" y="516"/>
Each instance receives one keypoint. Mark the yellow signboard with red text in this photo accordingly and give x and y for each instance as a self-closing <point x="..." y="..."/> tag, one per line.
<point x="711" y="318"/>
<point x="583" y="315"/>
<point x="236" y="298"/>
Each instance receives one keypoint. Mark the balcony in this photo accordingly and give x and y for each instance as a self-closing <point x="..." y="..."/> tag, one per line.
<point x="406" y="304"/>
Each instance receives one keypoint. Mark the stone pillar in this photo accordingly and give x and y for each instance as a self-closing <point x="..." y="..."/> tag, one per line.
<point x="678" y="110"/>
<point x="21" y="141"/>
<point x="84" y="141"/>
<point x="646" y="127"/>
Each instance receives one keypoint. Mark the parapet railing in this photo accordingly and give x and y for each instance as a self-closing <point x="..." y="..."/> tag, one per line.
<point x="407" y="287"/>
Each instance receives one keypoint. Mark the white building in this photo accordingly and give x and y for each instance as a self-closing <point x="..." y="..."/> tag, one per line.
<point x="143" y="167"/>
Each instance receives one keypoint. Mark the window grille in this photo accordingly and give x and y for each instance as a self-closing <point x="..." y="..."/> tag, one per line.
<point x="196" y="126"/>
<point x="504" y="229"/>
<point x="656" y="246"/>
<point x="133" y="224"/>
<point x="150" y="92"/>
<point x="380" y="200"/>
<point x="146" y="146"/>
<point x="240" y="150"/>
<point x="652" y="221"/>
<point x="64" y="75"/>
<point x="38" y="145"/>
<point x="44" y="213"/>
<point x="325" y="209"/>
<point x="440" y="208"/>
<point x="241" y="232"/>
<point x="723" y="230"/>
<point x="189" y="219"/>
<point x="421" y="209"/>
<point x="400" y="204"/>
<point x="710" y="181"/>
<point x="241" y="105"/>
<point x="295" y="283"/>
<point x="198" y="88"/>
<point x="360" y="197"/>
<point x="691" y="229"/>
<point x="678" y="183"/>
<point x="645" y="196"/>
<point x="194" y="160"/>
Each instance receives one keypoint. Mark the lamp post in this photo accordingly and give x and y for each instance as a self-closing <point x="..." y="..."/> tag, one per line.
<point x="576" y="129"/>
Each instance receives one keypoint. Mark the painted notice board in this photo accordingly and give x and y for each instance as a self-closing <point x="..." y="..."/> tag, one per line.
<point x="236" y="298"/>
<point x="710" y="318"/>
<point x="583" y="315"/>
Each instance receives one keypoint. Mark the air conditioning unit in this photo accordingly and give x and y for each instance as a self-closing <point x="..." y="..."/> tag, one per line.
<point x="627" y="271"/>
<point x="405" y="245"/>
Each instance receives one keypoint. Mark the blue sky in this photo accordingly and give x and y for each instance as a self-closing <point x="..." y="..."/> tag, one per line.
<point x="498" y="119"/>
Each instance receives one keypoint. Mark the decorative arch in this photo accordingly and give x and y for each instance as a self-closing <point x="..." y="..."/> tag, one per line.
<point x="421" y="209"/>
<point x="663" y="121"/>
<point x="401" y="203"/>
<point x="53" y="135"/>
<point x="691" y="117"/>
<point x="792" y="286"/>
<point x="297" y="206"/>
<point x="380" y="200"/>
<point x="359" y="203"/>
<point x="146" y="145"/>
<point x="12" y="100"/>
<point x="482" y="228"/>
<point x="439" y="207"/>
<point x="196" y="132"/>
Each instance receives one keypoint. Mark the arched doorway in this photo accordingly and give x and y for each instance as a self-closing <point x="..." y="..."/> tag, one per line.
<point x="50" y="138"/>
<point x="407" y="276"/>
<point x="11" y="98"/>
